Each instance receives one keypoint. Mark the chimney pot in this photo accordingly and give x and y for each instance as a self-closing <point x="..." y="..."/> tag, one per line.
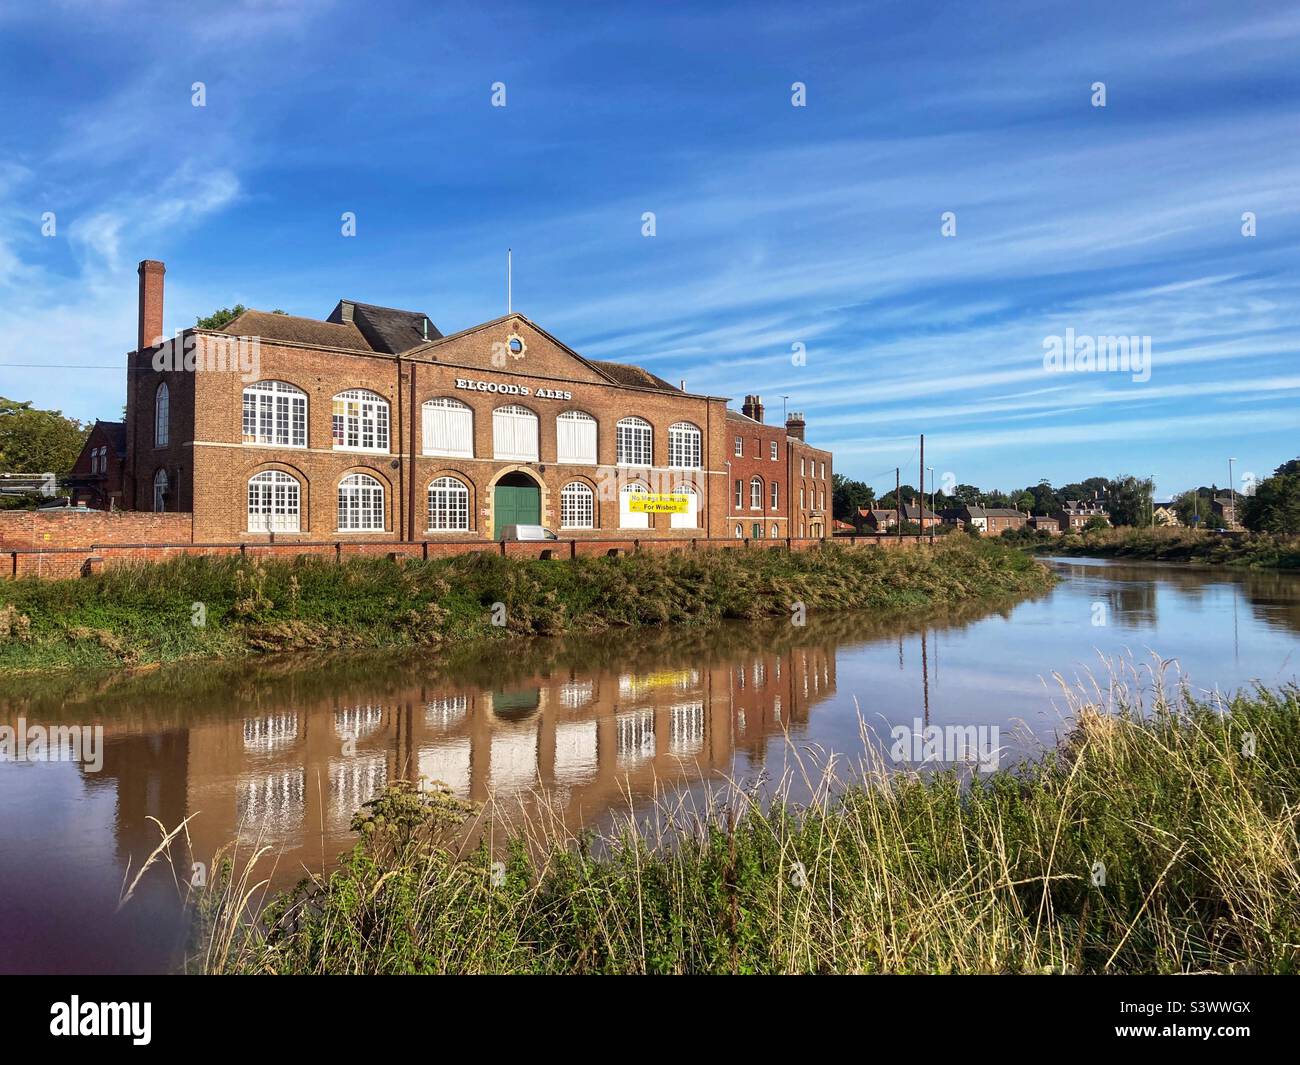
<point x="794" y="425"/>
<point x="151" y="303"/>
<point x="753" y="408"/>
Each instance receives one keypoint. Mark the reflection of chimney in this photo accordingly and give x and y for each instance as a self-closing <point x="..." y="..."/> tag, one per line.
<point x="753" y="408"/>
<point x="794" y="425"/>
<point x="151" y="303"/>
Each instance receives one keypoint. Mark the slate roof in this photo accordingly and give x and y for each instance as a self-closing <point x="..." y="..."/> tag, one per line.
<point x="116" y="433"/>
<point x="297" y="330"/>
<point x="626" y="374"/>
<point x="388" y="329"/>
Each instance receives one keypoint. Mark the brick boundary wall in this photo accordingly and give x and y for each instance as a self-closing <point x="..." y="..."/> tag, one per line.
<point x="67" y="527"/>
<point x="84" y="560"/>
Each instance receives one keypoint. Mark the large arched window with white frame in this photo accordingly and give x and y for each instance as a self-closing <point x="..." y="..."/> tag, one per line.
<point x="275" y="412"/>
<point x="160" y="491"/>
<point x="448" y="426"/>
<point x="684" y="446"/>
<point x="577" y="506"/>
<point x="360" y="421"/>
<point x="575" y="438"/>
<point x="689" y="518"/>
<point x="361" y="504"/>
<point x="514" y="433"/>
<point x="274" y="502"/>
<point x="634" y="440"/>
<point x="627" y="517"/>
<point x="448" y="505"/>
<point x="161" y="415"/>
<point x="756" y="493"/>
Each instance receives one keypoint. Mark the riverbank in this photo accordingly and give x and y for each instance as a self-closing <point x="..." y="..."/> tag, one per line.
<point x="1153" y="840"/>
<point x="193" y="608"/>
<point x="1253" y="550"/>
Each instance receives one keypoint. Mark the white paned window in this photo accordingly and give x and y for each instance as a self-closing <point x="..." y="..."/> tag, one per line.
<point x="448" y="426"/>
<point x="161" y="415"/>
<point x="275" y="412"/>
<point x="160" y="491"/>
<point x="740" y="494"/>
<point x="687" y="520"/>
<point x="774" y="450"/>
<point x="740" y="448"/>
<point x="361" y="503"/>
<point x="635" y="441"/>
<point x="448" y="505"/>
<point x="684" y="446"/>
<point x="575" y="438"/>
<point x="577" y="506"/>
<point x="756" y="493"/>
<point x="360" y="421"/>
<point x="627" y="518"/>
<point x="514" y="433"/>
<point x="274" y="502"/>
<point x="776" y="495"/>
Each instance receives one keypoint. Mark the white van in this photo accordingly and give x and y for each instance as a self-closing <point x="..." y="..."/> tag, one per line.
<point x="527" y="532"/>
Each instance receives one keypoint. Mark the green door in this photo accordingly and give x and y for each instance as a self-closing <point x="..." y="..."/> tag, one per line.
<point x="514" y="504"/>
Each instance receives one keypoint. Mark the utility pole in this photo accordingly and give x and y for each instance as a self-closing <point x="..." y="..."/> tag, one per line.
<point x="1232" y="490"/>
<point x="920" y="508"/>
<point x="509" y="281"/>
<point x="898" y="502"/>
<point x="936" y="518"/>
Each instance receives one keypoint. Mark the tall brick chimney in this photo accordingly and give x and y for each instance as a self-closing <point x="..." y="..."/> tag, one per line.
<point x="794" y="425"/>
<point x="753" y="408"/>
<point x="151" y="303"/>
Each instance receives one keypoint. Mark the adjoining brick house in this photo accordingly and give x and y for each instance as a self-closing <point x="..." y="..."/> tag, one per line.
<point x="1042" y="523"/>
<point x="374" y="424"/>
<point x="1225" y="506"/>
<point x="1000" y="519"/>
<point x="1077" y="513"/>
<point x="97" y="475"/>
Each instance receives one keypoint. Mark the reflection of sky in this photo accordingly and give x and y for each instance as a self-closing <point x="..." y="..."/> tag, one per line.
<point x="513" y="759"/>
<point x="575" y="751"/>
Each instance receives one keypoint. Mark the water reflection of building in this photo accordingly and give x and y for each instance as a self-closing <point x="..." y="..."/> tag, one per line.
<point x="292" y="775"/>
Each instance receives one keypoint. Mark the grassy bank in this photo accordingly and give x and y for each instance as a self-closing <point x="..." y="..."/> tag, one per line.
<point x="1158" y="840"/>
<point x="146" y="614"/>
<point x="1254" y="550"/>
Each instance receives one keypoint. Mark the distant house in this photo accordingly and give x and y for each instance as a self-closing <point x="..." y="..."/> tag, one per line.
<point x="920" y="515"/>
<point x="999" y="519"/>
<point x="1166" y="513"/>
<point x="874" y="519"/>
<point x="843" y="528"/>
<point x="1042" y="523"/>
<point x="1078" y="512"/>
<point x="96" y="477"/>
<point x="1225" y="506"/>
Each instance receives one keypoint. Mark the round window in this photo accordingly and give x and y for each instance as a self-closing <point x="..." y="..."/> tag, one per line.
<point x="516" y="345"/>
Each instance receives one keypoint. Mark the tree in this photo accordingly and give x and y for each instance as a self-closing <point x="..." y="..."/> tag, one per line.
<point x="222" y="318"/>
<point x="38" y="441"/>
<point x="848" y="495"/>
<point x="1275" y="505"/>
<point x="1128" y="500"/>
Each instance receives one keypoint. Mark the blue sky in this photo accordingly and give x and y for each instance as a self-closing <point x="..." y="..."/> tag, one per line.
<point x="775" y="225"/>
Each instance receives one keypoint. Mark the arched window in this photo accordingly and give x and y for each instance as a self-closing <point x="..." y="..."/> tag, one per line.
<point x="448" y="428"/>
<point x="514" y="433"/>
<point x="275" y="412"/>
<point x="448" y="505"/>
<point x="775" y="532"/>
<point x="360" y="421"/>
<point x="684" y="449"/>
<point x="161" y="414"/>
<point x="635" y="442"/>
<point x="361" y="503"/>
<point x="756" y="493"/>
<point x="739" y="533"/>
<point x="688" y="520"/>
<point x="160" y="490"/>
<point x="575" y="438"/>
<point x="776" y="495"/>
<point x="273" y="502"/>
<point x="627" y="517"/>
<point x="577" y="506"/>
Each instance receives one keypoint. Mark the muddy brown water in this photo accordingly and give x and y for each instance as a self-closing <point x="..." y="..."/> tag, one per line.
<point x="285" y="750"/>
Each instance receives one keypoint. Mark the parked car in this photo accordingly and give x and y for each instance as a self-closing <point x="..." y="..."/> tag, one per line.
<point x="527" y="532"/>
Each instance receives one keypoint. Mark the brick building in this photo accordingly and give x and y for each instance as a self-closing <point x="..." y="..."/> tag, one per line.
<point x="96" y="479"/>
<point x="373" y="424"/>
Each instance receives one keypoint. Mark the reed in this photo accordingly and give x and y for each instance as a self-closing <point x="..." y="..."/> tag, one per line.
<point x="1189" y="806"/>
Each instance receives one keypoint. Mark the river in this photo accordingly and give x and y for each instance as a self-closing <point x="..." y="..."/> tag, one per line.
<point x="283" y="751"/>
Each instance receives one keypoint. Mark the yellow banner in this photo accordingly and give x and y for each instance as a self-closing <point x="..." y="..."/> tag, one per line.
<point x="648" y="503"/>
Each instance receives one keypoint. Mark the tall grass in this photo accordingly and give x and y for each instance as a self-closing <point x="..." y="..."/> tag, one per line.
<point x="207" y="607"/>
<point x="1157" y="838"/>
<point x="1256" y="550"/>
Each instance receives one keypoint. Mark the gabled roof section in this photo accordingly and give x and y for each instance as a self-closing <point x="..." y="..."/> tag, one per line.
<point x="297" y="330"/>
<point x="116" y="434"/>
<point x="624" y="373"/>
<point x="387" y="329"/>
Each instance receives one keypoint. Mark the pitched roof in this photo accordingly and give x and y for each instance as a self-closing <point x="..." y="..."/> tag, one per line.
<point x="625" y="373"/>
<point x="297" y="330"/>
<point x="1001" y="512"/>
<point x="388" y="329"/>
<point x="737" y="416"/>
<point x="116" y="433"/>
